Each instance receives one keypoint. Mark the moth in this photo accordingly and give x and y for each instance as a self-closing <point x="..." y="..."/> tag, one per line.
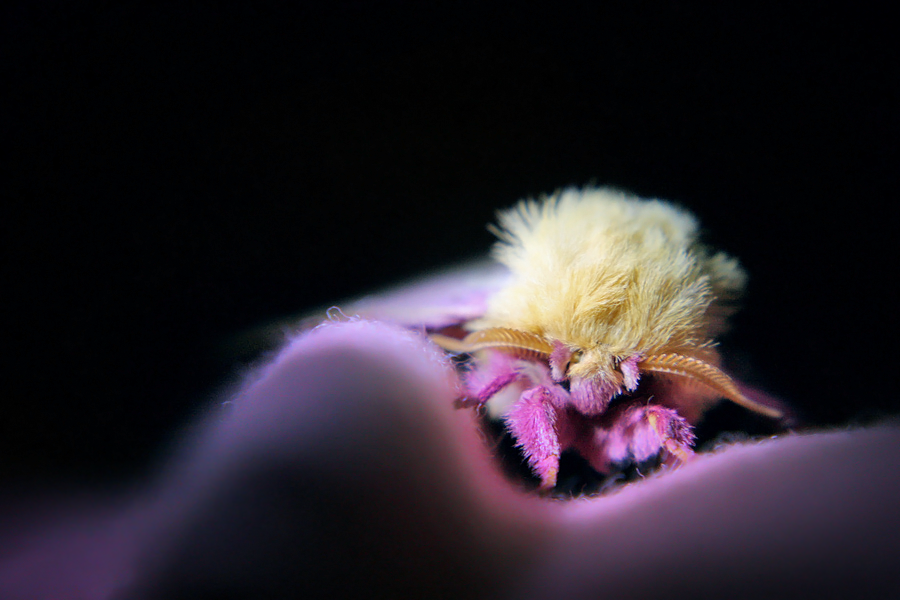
<point x="603" y="337"/>
<point x="593" y="330"/>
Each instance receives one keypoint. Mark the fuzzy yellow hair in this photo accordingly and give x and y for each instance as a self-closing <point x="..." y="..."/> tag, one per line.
<point x="610" y="275"/>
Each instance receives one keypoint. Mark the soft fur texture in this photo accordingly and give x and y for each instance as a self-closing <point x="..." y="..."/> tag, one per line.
<point x="613" y="276"/>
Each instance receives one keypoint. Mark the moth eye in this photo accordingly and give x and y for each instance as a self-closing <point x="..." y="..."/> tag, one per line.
<point x="576" y="357"/>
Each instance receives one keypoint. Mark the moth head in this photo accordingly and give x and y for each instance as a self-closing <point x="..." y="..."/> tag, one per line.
<point x="599" y="365"/>
<point x="566" y="361"/>
<point x="591" y="362"/>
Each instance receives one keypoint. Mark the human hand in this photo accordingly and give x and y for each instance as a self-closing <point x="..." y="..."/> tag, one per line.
<point x="342" y="470"/>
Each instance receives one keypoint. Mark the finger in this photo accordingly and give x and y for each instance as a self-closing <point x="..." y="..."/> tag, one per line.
<point x="799" y="516"/>
<point x="342" y="469"/>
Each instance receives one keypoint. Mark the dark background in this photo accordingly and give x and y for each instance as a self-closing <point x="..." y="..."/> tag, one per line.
<point x="178" y="175"/>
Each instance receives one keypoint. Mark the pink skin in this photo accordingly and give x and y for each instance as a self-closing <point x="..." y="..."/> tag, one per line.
<point x="342" y="470"/>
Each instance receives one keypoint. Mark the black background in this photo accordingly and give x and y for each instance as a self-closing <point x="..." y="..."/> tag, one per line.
<point x="178" y="175"/>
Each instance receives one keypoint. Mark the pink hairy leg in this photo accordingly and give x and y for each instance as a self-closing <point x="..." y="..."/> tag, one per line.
<point x="532" y="422"/>
<point x="496" y="372"/>
<point x="636" y="432"/>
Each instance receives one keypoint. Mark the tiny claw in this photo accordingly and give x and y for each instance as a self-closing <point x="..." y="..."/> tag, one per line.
<point x="679" y="451"/>
<point x="548" y="478"/>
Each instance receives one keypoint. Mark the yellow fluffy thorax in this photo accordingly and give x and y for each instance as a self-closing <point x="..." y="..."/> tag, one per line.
<point x="610" y="275"/>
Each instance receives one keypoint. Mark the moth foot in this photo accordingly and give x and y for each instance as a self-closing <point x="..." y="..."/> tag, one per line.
<point x="548" y="476"/>
<point x="675" y="434"/>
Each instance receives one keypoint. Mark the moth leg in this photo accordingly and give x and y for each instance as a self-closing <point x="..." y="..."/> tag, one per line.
<point x="532" y="422"/>
<point x="638" y="433"/>
<point x="675" y="433"/>
<point x="497" y="371"/>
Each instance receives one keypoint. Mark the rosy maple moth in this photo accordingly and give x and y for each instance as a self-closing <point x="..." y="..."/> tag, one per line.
<point x="593" y="330"/>
<point x="605" y="331"/>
